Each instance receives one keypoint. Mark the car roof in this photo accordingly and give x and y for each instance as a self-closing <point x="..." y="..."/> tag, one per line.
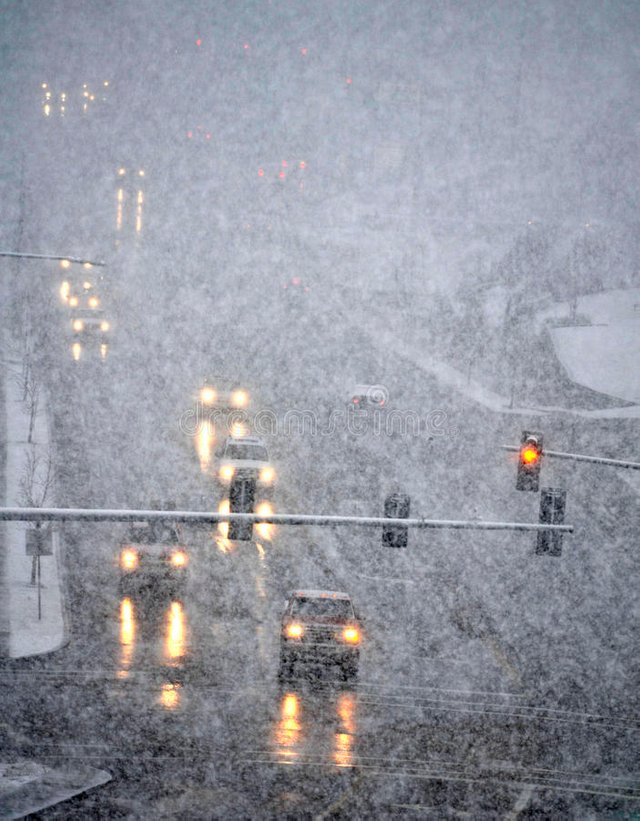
<point x="244" y="440"/>
<point x="320" y="594"/>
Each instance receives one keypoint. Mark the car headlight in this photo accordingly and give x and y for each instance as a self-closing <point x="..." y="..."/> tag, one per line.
<point x="267" y="475"/>
<point x="226" y="472"/>
<point x="73" y="301"/>
<point x="94" y="302"/>
<point x="129" y="559"/>
<point x="351" y="635"/>
<point x="208" y="396"/>
<point x="179" y="559"/>
<point x="78" y="325"/>
<point x="239" y="399"/>
<point x="104" y="326"/>
<point x="294" y="631"/>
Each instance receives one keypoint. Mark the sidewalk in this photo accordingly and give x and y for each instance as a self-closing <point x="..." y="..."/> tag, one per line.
<point x="32" y="620"/>
<point x="35" y="616"/>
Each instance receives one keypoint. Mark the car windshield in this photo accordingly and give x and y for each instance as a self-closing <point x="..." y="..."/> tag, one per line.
<point x="338" y="608"/>
<point x="242" y="452"/>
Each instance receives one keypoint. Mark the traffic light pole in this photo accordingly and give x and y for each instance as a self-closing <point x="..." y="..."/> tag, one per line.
<point x="575" y="457"/>
<point x="77" y="260"/>
<point x="40" y="514"/>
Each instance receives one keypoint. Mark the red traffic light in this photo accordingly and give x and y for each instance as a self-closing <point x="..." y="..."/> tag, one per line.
<point x="529" y="454"/>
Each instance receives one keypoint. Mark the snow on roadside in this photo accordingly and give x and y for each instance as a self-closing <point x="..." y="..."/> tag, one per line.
<point x="28" y="474"/>
<point x="604" y="356"/>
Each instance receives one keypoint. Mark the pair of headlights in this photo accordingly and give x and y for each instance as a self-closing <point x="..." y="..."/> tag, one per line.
<point x="130" y="559"/>
<point x="350" y="635"/>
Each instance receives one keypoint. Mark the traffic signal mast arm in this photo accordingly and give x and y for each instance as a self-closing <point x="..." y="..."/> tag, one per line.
<point x="78" y="260"/>
<point x="40" y="514"/>
<point x="575" y="457"/>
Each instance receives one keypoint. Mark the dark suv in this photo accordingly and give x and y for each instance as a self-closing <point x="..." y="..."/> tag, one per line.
<point x="320" y="627"/>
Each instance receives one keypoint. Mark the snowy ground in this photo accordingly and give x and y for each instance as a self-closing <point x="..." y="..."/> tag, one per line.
<point x="605" y="355"/>
<point x="32" y="629"/>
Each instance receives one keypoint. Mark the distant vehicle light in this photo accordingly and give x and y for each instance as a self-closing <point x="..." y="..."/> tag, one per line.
<point x="351" y="635"/>
<point x="87" y="265"/>
<point x="208" y="396"/>
<point x="64" y="291"/>
<point x="129" y="559"/>
<point x="78" y="325"/>
<point x="94" y="302"/>
<point x="295" y="280"/>
<point x="295" y="631"/>
<point x="239" y="399"/>
<point x="227" y="472"/>
<point x="179" y="559"/>
<point x="65" y="263"/>
<point x="267" y="475"/>
<point x="104" y="326"/>
<point x="86" y="285"/>
<point x="73" y="301"/>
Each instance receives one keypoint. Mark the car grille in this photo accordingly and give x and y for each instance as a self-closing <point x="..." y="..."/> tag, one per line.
<point x="316" y="634"/>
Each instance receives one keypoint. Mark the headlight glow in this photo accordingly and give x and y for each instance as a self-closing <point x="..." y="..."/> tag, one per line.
<point x="351" y="635"/>
<point x="104" y="326"/>
<point x="208" y="396"/>
<point x="94" y="302"/>
<point x="179" y="559"/>
<point x="267" y="475"/>
<point x="73" y="301"/>
<point x="294" y="631"/>
<point x="78" y="325"/>
<point x="226" y="472"/>
<point x="129" y="559"/>
<point x="239" y="399"/>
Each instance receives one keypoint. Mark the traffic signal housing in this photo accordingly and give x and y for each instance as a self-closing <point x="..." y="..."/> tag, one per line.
<point x="552" y="506"/>
<point x="242" y="496"/>
<point x="529" y="461"/>
<point x="396" y="506"/>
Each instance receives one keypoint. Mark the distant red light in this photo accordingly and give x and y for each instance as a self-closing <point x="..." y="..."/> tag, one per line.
<point x="355" y="400"/>
<point x="246" y="46"/>
<point x="348" y="81"/>
<point x="198" y="42"/>
<point x="304" y="51"/>
<point x="261" y="172"/>
<point x="284" y="163"/>
<point x="295" y="281"/>
<point x="208" y="135"/>
<point x="189" y="134"/>
<point x="303" y="164"/>
<point x="282" y="175"/>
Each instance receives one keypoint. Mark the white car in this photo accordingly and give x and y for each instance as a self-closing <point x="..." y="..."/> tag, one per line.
<point x="246" y="457"/>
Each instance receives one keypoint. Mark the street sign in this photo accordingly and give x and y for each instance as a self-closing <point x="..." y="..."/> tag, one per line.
<point x="39" y="542"/>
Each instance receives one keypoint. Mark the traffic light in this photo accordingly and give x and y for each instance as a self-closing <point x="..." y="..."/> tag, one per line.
<point x="396" y="507"/>
<point x="552" y="505"/>
<point x="242" y="495"/>
<point x="529" y="461"/>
